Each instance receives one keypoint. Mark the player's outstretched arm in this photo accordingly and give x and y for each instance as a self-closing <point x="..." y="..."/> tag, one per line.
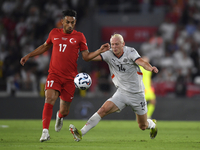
<point x="41" y="49"/>
<point x="88" y="56"/>
<point x="146" y="65"/>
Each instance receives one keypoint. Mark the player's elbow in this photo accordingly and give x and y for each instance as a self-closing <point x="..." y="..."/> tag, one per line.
<point x="86" y="59"/>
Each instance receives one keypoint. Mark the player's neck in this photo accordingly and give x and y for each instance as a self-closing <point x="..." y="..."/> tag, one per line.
<point x="120" y="54"/>
<point x="64" y="31"/>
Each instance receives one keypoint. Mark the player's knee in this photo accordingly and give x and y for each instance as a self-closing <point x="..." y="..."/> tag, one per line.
<point x="142" y="126"/>
<point x="50" y="99"/>
<point x="102" y="112"/>
<point x="51" y="96"/>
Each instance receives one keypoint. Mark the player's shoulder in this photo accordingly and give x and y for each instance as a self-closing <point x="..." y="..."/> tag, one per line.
<point x="129" y="50"/>
<point x="131" y="53"/>
<point x="55" y="30"/>
<point x="108" y="53"/>
<point x="77" y="32"/>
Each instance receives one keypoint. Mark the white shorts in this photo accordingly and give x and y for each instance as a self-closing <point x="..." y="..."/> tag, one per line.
<point x="136" y="101"/>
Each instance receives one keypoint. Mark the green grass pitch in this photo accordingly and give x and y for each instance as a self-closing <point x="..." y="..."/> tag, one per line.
<point x="107" y="135"/>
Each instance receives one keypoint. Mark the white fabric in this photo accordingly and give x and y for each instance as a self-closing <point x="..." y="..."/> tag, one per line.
<point x="124" y="70"/>
<point x="151" y="124"/>
<point x="91" y="123"/>
<point x="136" y="101"/>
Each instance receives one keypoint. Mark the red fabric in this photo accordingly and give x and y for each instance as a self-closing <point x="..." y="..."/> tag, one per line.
<point x="163" y="88"/>
<point x="140" y="73"/>
<point x="65" y="86"/>
<point x="47" y="114"/>
<point x="112" y="76"/>
<point x="65" y="52"/>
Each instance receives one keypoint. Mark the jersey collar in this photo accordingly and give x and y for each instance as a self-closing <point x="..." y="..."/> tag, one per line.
<point x="67" y="33"/>
<point x="120" y="55"/>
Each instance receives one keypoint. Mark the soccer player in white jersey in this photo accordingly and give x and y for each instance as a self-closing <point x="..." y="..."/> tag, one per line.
<point x="123" y="63"/>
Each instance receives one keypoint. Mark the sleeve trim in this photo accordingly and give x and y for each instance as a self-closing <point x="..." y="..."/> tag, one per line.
<point x="137" y="59"/>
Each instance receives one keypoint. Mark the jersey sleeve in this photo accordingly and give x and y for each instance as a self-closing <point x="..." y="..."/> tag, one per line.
<point x="134" y="55"/>
<point x="83" y="43"/>
<point x="48" y="41"/>
<point x="105" y="55"/>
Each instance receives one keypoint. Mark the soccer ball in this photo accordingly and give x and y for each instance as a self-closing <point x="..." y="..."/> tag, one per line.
<point x="82" y="81"/>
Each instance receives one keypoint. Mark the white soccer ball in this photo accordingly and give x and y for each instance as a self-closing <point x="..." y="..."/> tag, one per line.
<point x="82" y="81"/>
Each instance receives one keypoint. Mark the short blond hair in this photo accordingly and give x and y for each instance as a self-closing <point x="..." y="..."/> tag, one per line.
<point x="117" y="36"/>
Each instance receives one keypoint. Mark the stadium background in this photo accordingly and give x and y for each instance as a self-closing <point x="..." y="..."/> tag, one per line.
<point x="167" y="31"/>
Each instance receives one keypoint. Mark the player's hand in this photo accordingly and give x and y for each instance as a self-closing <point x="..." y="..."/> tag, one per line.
<point x="24" y="60"/>
<point x="155" y="70"/>
<point x="104" y="47"/>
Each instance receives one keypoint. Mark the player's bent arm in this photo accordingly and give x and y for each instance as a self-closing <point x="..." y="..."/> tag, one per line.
<point x="146" y="65"/>
<point x="98" y="58"/>
<point x="88" y="56"/>
<point x="40" y="50"/>
<point x="91" y="56"/>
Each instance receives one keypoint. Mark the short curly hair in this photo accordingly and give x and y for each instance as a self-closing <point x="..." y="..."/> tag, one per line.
<point x="70" y="12"/>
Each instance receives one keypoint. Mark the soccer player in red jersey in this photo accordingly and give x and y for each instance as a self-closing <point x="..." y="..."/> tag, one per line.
<point x="67" y="43"/>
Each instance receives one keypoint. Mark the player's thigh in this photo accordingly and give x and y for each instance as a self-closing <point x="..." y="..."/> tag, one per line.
<point x="52" y="88"/>
<point x="67" y="92"/>
<point x="51" y="96"/>
<point x="53" y="82"/>
<point x="119" y="100"/>
<point x="138" y="103"/>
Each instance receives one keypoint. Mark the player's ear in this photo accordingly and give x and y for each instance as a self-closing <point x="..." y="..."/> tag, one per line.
<point x="62" y="21"/>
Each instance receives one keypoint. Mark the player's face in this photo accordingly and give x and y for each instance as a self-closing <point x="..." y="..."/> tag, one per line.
<point x="117" y="46"/>
<point x="68" y="24"/>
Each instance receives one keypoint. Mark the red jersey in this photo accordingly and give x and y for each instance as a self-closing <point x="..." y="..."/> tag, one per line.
<point x="65" y="52"/>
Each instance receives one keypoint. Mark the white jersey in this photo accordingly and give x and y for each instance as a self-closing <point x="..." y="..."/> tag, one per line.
<point x="125" y="73"/>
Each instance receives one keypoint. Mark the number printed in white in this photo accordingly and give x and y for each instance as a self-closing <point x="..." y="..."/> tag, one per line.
<point x="50" y="83"/>
<point x="62" y="47"/>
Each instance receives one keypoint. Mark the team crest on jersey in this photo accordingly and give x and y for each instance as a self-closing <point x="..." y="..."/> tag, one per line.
<point x="63" y="38"/>
<point x="125" y="60"/>
<point x="72" y="40"/>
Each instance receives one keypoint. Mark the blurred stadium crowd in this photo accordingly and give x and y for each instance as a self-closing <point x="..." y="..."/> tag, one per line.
<point x="174" y="48"/>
